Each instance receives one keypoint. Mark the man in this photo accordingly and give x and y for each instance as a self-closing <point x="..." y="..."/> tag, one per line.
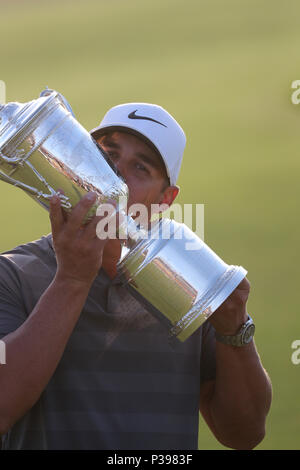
<point x="87" y="365"/>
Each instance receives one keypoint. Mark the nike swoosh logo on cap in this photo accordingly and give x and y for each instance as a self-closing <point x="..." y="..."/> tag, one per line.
<point x="132" y="115"/>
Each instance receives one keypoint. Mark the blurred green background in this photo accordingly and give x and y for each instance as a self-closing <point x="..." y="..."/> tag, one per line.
<point x="224" y="70"/>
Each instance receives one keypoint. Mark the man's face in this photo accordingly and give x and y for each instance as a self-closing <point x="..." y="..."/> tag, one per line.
<point x="141" y="168"/>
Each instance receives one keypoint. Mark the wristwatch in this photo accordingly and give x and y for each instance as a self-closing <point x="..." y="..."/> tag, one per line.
<point x="244" y="336"/>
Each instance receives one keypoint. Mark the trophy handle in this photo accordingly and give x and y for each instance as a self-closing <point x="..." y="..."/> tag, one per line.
<point x="29" y="189"/>
<point x="63" y="100"/>
<point x="35" y="192"/>
<point x="16" y="159"/>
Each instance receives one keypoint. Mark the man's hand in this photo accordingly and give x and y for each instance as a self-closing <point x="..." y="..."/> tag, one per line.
<point x="78" y="249"/>
<point x="230" y="316"/>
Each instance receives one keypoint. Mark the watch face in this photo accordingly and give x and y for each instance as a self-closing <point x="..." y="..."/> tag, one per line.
<point x="248" y="334"/>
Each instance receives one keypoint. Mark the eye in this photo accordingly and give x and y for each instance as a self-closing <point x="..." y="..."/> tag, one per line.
<point x="112" y="154"/>
<point x="142" y="167"/>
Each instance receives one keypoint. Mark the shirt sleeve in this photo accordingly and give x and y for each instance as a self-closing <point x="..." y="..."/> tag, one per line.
<point x="208" y="353"/>
<point x="12" y="309"/>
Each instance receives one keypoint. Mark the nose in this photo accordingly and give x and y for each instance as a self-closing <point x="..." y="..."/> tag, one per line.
<point x="120" y="167"/>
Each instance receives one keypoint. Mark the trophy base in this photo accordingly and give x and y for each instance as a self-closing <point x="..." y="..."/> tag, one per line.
<point x="208" y="303"/>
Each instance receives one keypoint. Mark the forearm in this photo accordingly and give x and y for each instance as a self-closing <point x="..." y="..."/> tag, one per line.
<point x="34" y="350"/>
<point x="241" y="397"/>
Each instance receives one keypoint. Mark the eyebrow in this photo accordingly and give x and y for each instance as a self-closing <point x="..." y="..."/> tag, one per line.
<point x="149" y="160"/>
<point x="110" y="143"/>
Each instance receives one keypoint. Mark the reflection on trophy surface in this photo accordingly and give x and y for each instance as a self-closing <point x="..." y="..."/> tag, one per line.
<point x="45" y="151"/>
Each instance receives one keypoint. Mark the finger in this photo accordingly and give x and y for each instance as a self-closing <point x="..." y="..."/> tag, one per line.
<point x="244" y="285"/>
<point x="56" y="215"/>
<point x="89" y="230"/>
<point x="64" y="212"/>
<point x="76" y="218"/>
<point x="102" y="225"/>
<point x="106" y="226"/>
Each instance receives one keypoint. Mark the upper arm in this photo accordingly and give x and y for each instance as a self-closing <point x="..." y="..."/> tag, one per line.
<point x="208" y="354"/>
<point x="208" y="373"/>
<point x="206" y="393"/>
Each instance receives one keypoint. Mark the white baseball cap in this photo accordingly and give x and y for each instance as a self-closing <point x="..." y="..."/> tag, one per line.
<point x="155" y="125"/>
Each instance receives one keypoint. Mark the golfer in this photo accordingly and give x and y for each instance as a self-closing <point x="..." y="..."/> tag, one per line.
<point x="87" y="365"/>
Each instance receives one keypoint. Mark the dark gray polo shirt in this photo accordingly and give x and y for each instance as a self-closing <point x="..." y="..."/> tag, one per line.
<point x="120" y="384"/>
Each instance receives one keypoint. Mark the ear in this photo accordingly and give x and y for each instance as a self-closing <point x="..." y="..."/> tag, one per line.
<point x="169" y="196"/>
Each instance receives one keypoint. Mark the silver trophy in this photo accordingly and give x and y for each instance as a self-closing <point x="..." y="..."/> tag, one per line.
<point x="45" y="151"/>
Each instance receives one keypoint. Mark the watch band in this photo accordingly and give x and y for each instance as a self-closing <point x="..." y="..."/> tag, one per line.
<point x="243" y="337"/>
